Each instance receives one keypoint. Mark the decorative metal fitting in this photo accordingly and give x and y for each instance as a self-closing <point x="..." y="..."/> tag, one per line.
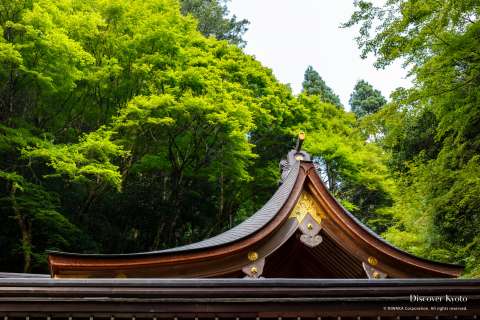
<point x="372" y="261"/>
<point x="252" y="256"/>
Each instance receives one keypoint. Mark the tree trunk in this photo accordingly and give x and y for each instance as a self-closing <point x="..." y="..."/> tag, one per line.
<point x="221" y="198"/>
<point x="26" y="230"/>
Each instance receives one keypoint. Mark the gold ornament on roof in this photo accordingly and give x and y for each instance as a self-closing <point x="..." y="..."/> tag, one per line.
<point x="252" y="256"/>
<point x="307" y="205"/>
<point x="372" y="261"/>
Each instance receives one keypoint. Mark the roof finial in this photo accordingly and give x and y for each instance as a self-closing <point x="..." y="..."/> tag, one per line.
<point x="301" y="137"/>
<point x="293" y="156"/>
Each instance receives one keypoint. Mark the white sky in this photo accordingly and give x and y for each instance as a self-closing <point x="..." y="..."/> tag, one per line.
<point x="289" y="35"/>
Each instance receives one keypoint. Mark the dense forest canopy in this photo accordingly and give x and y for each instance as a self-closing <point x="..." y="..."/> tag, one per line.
<point x="140" y="125"/>
<point x="431" y="131"/>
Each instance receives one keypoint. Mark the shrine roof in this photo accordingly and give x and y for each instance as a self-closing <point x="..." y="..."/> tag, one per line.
<point x="302" y="230"/>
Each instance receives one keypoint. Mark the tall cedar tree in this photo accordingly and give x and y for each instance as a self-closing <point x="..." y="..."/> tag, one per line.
<point x="313" y="84"/>
<point x="365" y="100"/>
<point x="214" y="20"/>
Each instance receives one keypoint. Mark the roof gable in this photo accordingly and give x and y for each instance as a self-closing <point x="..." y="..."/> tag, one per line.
<point x="302" y="231"/>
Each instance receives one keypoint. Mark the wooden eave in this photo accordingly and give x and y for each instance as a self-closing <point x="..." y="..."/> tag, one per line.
<point x="269" y="233"/>
<point x="234" y="298"/>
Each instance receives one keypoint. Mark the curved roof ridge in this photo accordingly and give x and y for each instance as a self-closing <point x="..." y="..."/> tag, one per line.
<point x="254" y="223"/>
<point x="377" y="236"/>
<point x="251" y="225"/>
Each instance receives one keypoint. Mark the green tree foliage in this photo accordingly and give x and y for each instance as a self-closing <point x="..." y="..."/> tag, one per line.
<point x="313" y="84"/>
<point x="432" y="129"/>
<point x="213" y="20"/>
<point x="125" y="129"/>
<point x="194" y="147"/>
<point x="365" y="100"/>
<point x="31" y="215"/>
<point x="122" y="107"/>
